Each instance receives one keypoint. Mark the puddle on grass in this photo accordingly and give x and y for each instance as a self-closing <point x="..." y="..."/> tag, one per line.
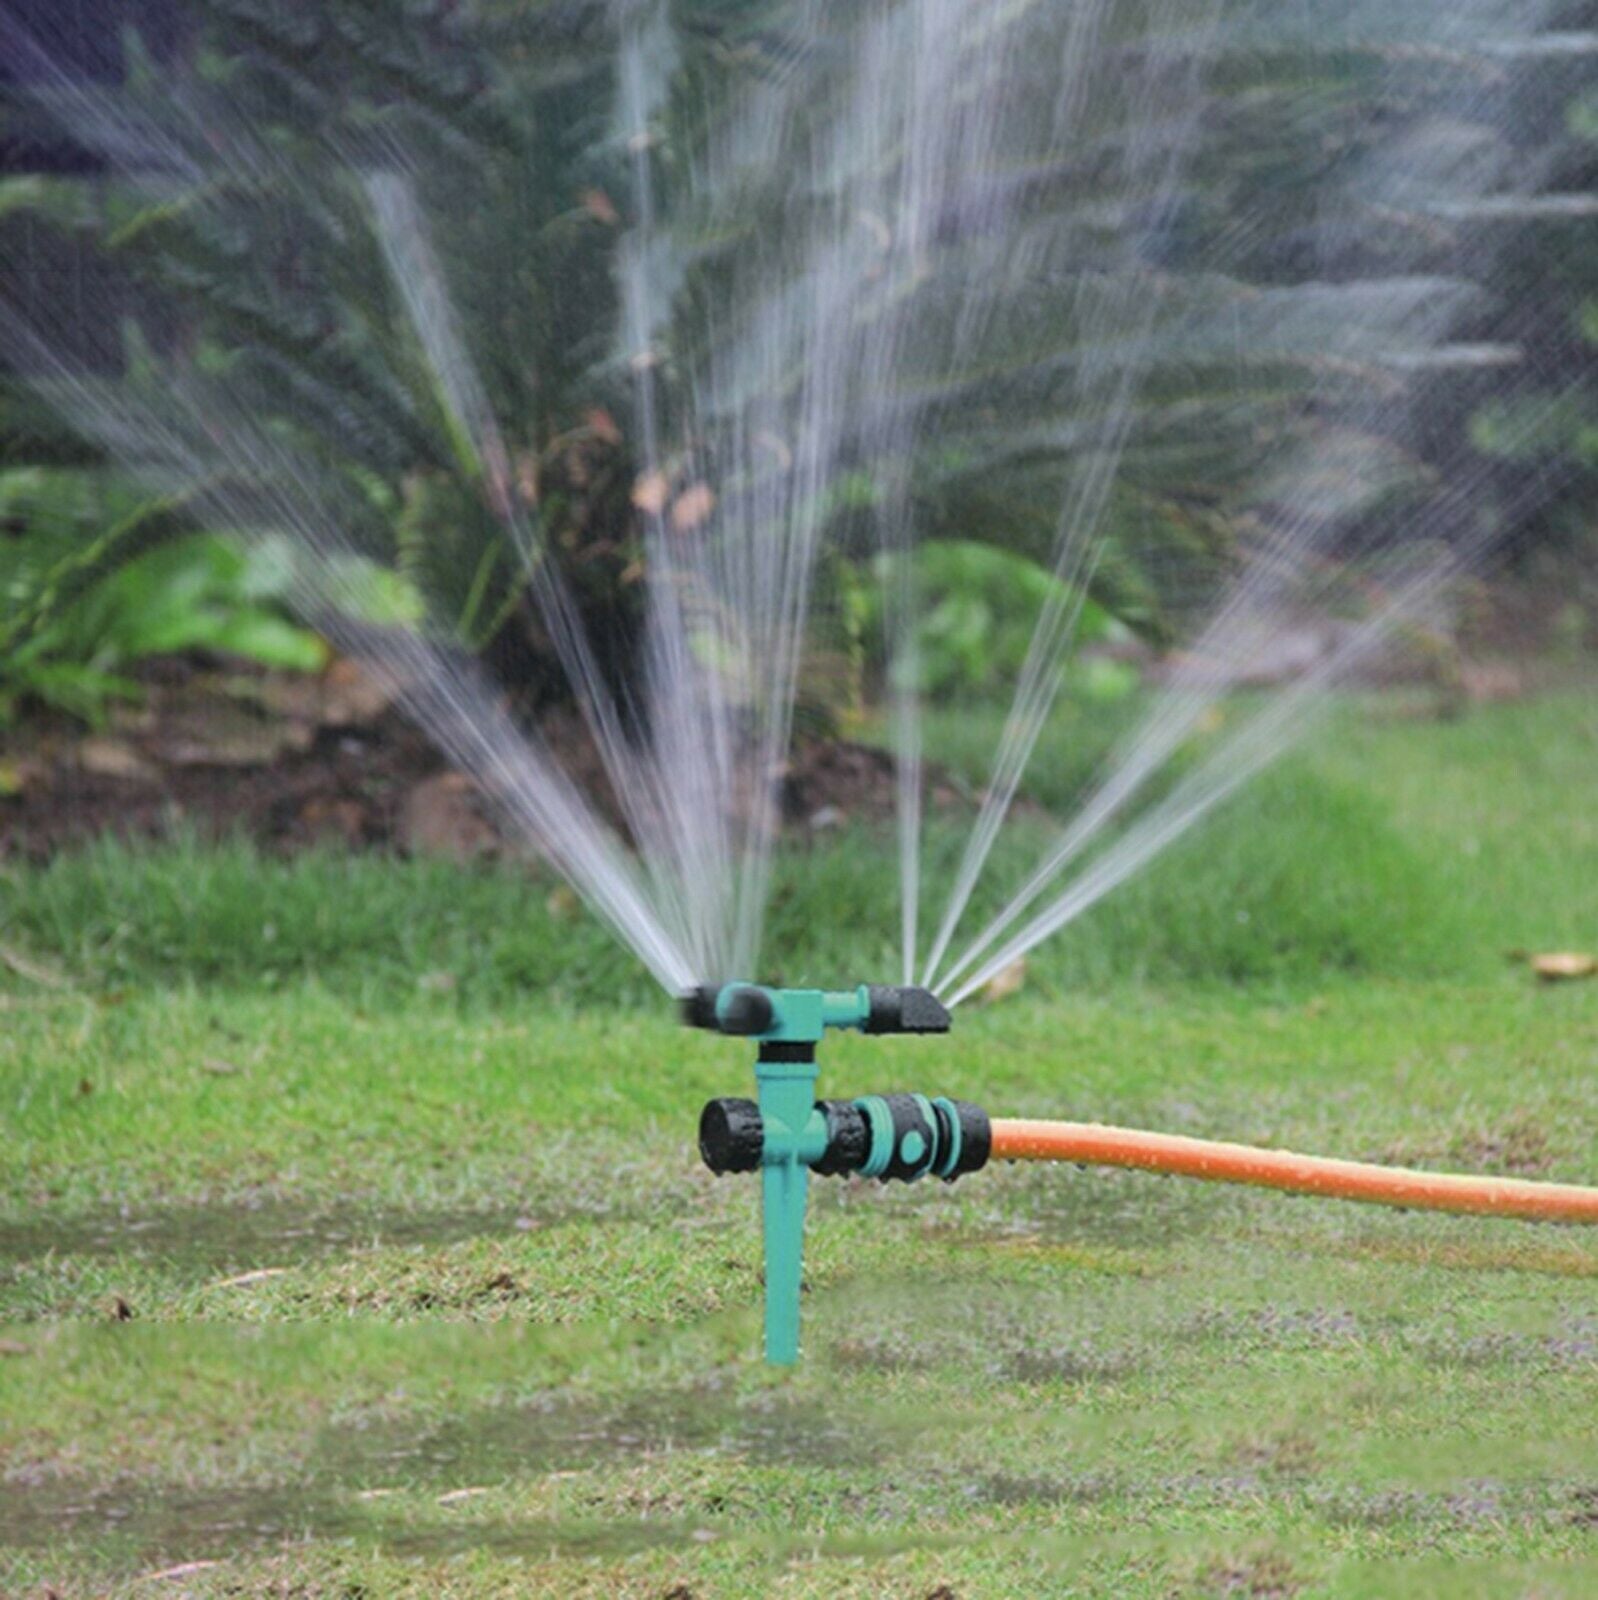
<point x="273" y="1233"/>
<point x="1007" y="1489"/>
<point x="563" y="1435"/>
<point x="165" y="1520"/>
<point x="138" y="1522"/>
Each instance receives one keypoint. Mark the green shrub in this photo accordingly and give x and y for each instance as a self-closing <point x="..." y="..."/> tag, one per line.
<point x="95" y="577"/>
<point x="1299" y="878"/>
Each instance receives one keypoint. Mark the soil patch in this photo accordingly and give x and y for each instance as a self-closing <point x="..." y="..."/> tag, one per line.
<point x="289" y="762"/>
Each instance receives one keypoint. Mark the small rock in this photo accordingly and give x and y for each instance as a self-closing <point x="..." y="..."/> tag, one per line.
<point x="343" y="820"/>
<point x="1491" y="682"/>
<point x="114" y="758"/>
<point x="346" y="695"/>
<point x="218" y="735"/>
<point x="16" y="774"/>
<point x="826" y="817"/>
<point x="440" y="818"/>
<point x="353" y="694"/>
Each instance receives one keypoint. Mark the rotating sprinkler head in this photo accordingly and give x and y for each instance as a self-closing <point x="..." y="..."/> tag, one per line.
<point x="787" y="1133"/>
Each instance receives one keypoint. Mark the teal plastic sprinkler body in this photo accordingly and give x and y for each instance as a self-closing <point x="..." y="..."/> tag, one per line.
<point x="788" y="1133"/>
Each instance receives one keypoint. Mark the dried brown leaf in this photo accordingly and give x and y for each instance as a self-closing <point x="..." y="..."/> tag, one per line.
<point x="259" y="1275"/>
<point x="651" y="492"/>
<point x="1561" y="965"/>
<point x="600" y="207"/>
<point x="602" y="425"/>
<point x="34" y="971"/>
<point x="692" y="507"/>
<point x="180" y="1571"/>
<point x="1005" y="982"/>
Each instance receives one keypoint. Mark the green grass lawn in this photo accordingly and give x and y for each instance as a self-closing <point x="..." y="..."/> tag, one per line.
<point x="352" y="1238"/>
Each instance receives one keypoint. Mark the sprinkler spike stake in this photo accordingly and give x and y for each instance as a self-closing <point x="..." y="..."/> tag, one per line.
<point x="788" y="1133"/>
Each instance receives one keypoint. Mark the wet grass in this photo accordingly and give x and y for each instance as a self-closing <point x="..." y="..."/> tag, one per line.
<point x="353" y="1280"/>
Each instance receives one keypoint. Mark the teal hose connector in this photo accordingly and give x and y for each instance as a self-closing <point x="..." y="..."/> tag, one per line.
<point x="787" y="1133"/>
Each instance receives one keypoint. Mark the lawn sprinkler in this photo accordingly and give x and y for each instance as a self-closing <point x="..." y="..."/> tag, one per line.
<point x="787" y="1134"/>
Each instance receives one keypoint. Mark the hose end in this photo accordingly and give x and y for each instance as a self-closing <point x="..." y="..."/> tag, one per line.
<point x="731" y="1136"/>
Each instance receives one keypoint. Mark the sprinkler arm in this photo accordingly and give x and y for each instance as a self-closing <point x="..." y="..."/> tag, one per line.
<point x="802" y="1016"/>
<point x="788" y="1134"/>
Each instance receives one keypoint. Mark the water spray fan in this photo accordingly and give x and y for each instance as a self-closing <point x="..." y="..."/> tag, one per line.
<point x="786" y="1134"/>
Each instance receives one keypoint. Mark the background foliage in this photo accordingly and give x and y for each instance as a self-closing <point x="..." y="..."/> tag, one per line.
<point x="262" y="269"/>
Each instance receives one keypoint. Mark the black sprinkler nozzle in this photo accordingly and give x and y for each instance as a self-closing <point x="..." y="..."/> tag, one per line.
<point x="740" y="1009"/>
<point x="905" y="1008"/>
<point x="699" y="1006"/>
<point x="746" y="1011"/>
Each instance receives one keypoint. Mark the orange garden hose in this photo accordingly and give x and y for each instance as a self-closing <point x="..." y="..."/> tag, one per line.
<point x="1094" y="1144"/>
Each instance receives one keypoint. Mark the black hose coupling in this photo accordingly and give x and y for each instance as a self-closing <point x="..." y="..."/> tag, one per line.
<point x="895" y="1138"/>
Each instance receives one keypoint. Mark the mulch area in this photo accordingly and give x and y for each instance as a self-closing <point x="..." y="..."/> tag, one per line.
<point x="294" y="761"/>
